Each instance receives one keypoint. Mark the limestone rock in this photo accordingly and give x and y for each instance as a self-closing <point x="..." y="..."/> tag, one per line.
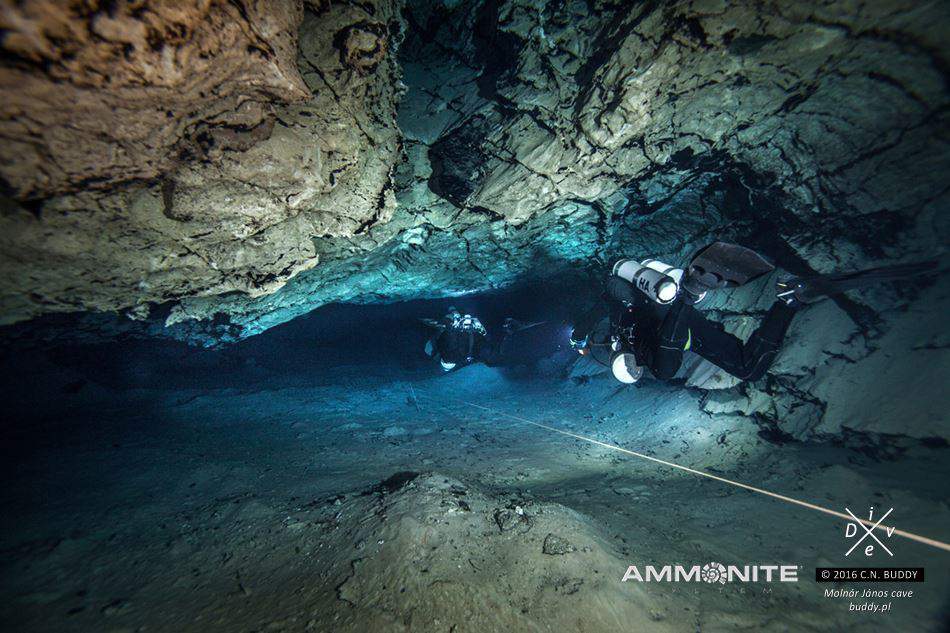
<point x="97" y="94"/>
<point x="430" y="148"/>
<point x="554" y="545"/>
<point x="240" y="210"/>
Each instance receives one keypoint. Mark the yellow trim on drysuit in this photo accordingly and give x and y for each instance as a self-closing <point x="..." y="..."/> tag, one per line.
<point x="689" y="339"/>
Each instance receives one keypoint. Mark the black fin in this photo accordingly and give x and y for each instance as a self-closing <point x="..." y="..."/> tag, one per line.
<point x="809" y="289"/>
<point x="842" y="282"/>
<point x="433" y="323"/>
<point x="725" y="265"/>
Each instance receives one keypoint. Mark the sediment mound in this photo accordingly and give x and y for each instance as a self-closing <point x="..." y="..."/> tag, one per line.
<point x="433" y="554"/>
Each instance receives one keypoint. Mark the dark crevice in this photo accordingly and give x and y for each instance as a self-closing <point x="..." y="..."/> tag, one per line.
<point x="496" y="51"/>
<point x="606" y="45"/>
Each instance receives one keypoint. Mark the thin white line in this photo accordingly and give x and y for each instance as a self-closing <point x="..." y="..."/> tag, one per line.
<point x="805" y="504"/>
<point x="869" y="532"/>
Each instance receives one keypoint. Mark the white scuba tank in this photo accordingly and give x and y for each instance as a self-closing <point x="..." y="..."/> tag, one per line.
<point x="677" y="275"/>
<point x="655" y="279"/>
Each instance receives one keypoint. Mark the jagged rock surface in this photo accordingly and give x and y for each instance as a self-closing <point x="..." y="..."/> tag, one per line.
<point x="535" y="138"/>
<point x="225" y="185"/>
<point x="96" y="95"/>
<point x="521" y="121"/>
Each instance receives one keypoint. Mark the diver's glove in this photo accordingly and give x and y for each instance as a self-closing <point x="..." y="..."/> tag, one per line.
<point x="796" y="292"/>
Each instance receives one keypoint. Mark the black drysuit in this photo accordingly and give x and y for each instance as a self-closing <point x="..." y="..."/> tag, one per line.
<point x="462" y="347"/>
<point x="661" y="333"/>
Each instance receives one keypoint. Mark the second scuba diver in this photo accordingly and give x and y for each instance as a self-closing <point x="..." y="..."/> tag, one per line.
<point x="651" y="320"/>
<point x="457" y="340"/>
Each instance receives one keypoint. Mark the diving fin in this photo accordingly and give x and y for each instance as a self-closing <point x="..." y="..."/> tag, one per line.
<point x="811" y="289"/>
<point x="724" y="265"/>
<point x="437" y="324"/>
<point x="513" y="325"/>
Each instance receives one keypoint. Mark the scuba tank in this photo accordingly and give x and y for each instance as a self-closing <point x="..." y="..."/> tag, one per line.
<point x="624" y="367"/>
<point x="650" y="277"/>
<point x="466" y="323"/>
<point x="471" y="327"/>
<point x="676" y="274"/>
<point x="623" y="362"/>
<point x="460" y="332"/>
<point x="658" y="281"/>
<point x="662" y="284"/>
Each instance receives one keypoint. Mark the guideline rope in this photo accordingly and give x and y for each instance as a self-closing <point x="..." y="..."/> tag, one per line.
<point x="805" y="504"/>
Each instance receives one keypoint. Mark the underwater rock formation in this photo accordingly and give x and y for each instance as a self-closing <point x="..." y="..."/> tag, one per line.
<point x="414" y="525"/>
<point x="187" y="150"/>
<point x="517" y="118"/>
<point x="97" y="96"/>
<point x="180" y="177"/>
<point x="235" y="177"/>
<point x="424" y="149"/>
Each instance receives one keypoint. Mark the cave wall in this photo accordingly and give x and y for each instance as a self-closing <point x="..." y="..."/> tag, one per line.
<point x="95" y="95"/>
<point x="187" y="149"/>
<point x="515" y="166"/>
<point x="235" y="165"/>
<point x="206" y="163"/>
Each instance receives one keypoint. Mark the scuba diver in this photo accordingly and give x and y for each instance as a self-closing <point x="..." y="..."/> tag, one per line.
<point x="458" y="340"/>
<point x="652" y="321"/>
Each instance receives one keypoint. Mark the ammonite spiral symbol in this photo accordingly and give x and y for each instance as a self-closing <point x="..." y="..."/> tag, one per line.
<point x="714" y="572"/>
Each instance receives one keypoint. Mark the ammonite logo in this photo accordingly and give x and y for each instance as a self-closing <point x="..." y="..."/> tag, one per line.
<point x="713" y="573"/>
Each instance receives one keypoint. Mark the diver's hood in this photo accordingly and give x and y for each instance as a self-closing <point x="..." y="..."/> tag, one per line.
<point x="624" y="367"/>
